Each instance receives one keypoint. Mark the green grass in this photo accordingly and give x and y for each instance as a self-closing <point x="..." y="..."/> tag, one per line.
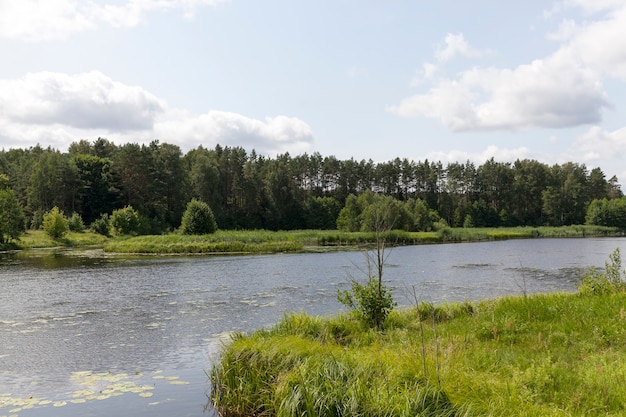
<point x="265" y="241"/>
<point x="38" y="239"/>
<point x="542" y="355"/>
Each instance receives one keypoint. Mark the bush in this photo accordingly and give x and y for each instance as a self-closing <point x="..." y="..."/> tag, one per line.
<point x="36" y="222"/>
<point x="75" y="223"/>
<point x="126" y="221"/>
<point x="102" y="225"/>
<point x="613" y="279"/>
<point x="373" y="306"/>
<point x="198" y="219"/>
<point x="55" y="224"/>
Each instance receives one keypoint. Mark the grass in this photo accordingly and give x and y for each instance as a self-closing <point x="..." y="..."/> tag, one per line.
<point x="265" y="241"/>
<point x="38" y="239"/>
<point x="554" y="354"/>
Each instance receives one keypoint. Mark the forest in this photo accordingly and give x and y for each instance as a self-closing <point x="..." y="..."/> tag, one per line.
<point x="246" y="190"/>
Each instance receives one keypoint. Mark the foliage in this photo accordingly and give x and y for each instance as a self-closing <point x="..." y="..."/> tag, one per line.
<point x="55" y="224"/>
<point x="39" y="239"/>
<point x="611" y="281"/>
<point x="371" y="302"/>
<point x="198" y="219"/>
<point x="542" y="355"/>
<point x="11" y="215"/>
<point x="249" y="191"/>
<point x="36" y="222"/>
<point x="605" y="212"/>
<point x="102" y="225"/>
<point x="75" y="223"/>
<point x="126" y="221"/>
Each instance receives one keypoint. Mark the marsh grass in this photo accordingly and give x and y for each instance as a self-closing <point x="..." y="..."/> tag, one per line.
<point x="36" y="239"/>
<point x="557" y="354"/>
<point x="265" y="241"/>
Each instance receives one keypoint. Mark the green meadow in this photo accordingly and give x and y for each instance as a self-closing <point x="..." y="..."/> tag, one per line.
<point x="556" y="354"/>
<point x="264" y="241"/>
<point x="541" y="355"/>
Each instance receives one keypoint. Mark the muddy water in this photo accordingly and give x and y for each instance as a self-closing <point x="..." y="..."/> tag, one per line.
<point x="85" y="334"/>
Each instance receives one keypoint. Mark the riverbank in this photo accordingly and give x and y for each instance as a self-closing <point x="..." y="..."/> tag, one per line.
<point x="557" y="354"/>
<point x="264" y="241"/>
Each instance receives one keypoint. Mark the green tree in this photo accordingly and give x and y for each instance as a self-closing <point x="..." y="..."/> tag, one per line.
<point x="75" y="223"/>
<point x="96" y="192"/>
<point x="321" y="213"/>
<point x="198" y="219"/>
<point x="373" y="300"/>
<point x="11" y="215"/>
<point x="55" y="224"/>
<point x="126" y="221"/>
<point x="102" y="225"/>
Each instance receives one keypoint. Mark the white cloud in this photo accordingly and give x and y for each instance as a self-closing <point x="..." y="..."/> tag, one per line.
<point x="88" y="100"/>
<point x="601" y="44"/>
<point x="551" y="93"/>
<point x="270" y="136"/>
<point x="46" y="20"/>
<point x="57" y="109"/>
<point x="478" y="158"/>
<point x="455" y="45"/>
<point x="563" y="89"/>
<point x="452" y="47"/>
<point x="598" y="143"/>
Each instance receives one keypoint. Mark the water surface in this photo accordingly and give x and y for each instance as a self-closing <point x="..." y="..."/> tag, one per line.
<point x="87" y="334"/>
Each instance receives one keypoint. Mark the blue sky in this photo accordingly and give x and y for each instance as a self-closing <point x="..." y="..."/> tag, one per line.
<point x="444" y="80"/>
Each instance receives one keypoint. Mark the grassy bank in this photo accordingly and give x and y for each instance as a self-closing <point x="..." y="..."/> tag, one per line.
<point x="542" y="355"/>
<point x="38" y="239"/>
<point x="263" y="241"/>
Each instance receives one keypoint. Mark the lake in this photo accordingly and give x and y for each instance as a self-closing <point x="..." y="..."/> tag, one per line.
<point x="83" y="333"/>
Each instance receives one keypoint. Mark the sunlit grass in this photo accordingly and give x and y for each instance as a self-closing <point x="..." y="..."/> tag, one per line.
<point x="35" y="239"/>
<point x="265" y="241"/>
<point x="542" y="355"/>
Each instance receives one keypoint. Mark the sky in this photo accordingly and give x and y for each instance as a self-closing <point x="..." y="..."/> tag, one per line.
<point x="445" y="80"/>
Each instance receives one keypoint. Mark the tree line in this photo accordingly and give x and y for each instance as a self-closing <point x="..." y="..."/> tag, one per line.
<point x="246" y="190"/>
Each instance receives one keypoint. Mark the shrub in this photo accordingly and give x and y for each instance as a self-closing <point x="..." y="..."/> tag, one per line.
<point x="55" y="224"/>
<point x="36" y="222"/>
<point x="198" y="219"/>
<point x="102" y="225"/>
<point x="372" y="301"/>
<point x="126" y="221"/>
<point x="75" y="223"/>
<point x="611" y="281"/>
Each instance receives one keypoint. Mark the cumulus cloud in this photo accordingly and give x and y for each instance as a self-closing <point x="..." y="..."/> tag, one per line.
<point x="563" y="89"/>
<point x="57" y="109"/>
<point x="88" y="100"/>
<point x="597" y="143"/>
<point x="478" y="158"/>
<point x="272" y="135"/>
<point x="455" y="45"/>
<point x="46" y="20"/>
<point x="549" y="93"/>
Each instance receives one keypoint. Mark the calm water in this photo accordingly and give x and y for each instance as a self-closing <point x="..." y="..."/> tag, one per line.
<point x="83" y="334"/>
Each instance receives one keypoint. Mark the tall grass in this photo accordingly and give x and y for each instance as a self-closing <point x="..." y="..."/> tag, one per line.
<point x="265" y="241"/>
<point x="541" y="355"/>
<point x="35" y="239"/>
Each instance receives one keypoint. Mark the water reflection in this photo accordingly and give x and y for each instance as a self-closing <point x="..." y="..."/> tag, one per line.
<point x="154" y="321"/>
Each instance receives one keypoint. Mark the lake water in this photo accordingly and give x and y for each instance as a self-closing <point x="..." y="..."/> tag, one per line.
<point x="86" y="334"/>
